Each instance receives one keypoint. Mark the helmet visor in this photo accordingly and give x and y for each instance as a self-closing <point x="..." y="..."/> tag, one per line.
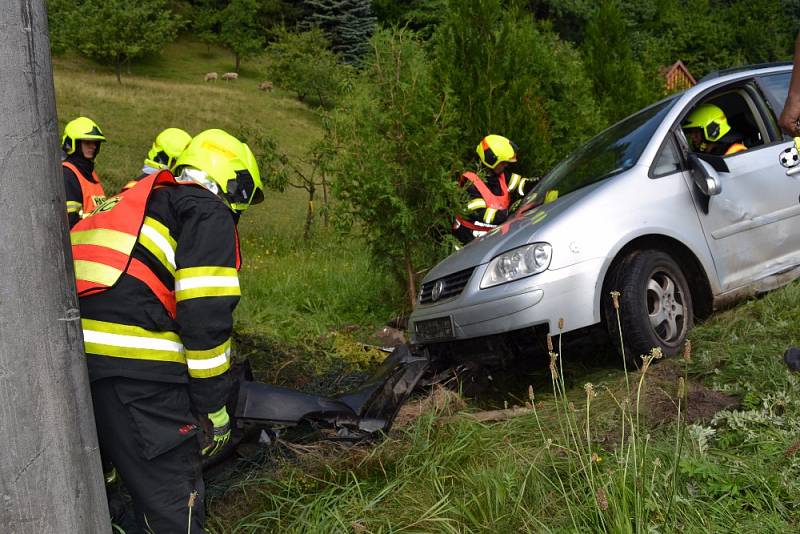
<point x="242" y="190"/>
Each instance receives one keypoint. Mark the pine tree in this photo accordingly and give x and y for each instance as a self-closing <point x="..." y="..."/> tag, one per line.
<point x="618" y="79"/>
<point x="512" y="77"/>
<point x="347" y="23"/>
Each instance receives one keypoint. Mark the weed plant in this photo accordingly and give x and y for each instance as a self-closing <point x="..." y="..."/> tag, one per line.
<point x="588" y="459"/>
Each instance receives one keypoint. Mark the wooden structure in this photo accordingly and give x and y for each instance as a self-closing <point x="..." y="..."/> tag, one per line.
<point x="677" y="77"/>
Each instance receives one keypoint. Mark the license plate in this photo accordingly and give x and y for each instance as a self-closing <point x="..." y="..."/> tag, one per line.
<point x="434" y="329"/>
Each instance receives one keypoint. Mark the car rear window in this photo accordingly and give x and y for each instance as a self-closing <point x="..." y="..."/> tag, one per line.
<point x="776" y="87"/>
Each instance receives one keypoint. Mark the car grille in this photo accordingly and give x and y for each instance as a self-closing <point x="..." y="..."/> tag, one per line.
<point x="453" y="286"/>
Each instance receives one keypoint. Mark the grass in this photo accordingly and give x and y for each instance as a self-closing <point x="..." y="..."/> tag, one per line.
<point x="588" y="460"/>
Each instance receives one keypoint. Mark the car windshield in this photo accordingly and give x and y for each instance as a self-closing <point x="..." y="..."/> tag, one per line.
<point x="610" y="152"/>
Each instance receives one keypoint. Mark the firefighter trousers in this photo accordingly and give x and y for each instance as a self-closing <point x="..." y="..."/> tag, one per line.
<point x="147" y="430"/>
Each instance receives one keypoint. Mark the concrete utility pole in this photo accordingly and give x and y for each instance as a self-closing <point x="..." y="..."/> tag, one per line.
<point x="50" y="474"/>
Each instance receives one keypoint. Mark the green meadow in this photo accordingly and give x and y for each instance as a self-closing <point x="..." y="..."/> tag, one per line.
<point x="705" y="443"/>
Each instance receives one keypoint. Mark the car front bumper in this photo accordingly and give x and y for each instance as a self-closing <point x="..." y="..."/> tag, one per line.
<point x="545" y="298"/>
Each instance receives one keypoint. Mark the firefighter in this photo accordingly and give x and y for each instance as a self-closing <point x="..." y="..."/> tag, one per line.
<point x="81" y="144"/>
<point x="166" y="148"/>
<point x="156" y="269"/>
<point x="707" y="130"/>
<point x="490" y="192"/>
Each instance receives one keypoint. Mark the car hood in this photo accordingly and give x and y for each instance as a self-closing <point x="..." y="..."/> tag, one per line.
<point x="520" y="229"/>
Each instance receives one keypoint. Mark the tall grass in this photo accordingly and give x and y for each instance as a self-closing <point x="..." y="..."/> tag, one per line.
<point x="589" y="459"/>
<point x="302" y="290"/>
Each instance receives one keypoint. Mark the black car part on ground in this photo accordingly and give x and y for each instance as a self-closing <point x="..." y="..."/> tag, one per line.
<point x="370" y="408"/>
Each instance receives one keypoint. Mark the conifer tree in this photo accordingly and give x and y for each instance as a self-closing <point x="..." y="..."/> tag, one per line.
<point x="618" y="80"/>
<point x="512" y="77"/>
<point x="347" y="23"/>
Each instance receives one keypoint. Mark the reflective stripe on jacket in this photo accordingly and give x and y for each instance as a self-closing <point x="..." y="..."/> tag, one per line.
<point x="490" y="202"/>
<point x="168" y="315"/>
<point x="92" y="192"/>
<point x="102" y="244"/>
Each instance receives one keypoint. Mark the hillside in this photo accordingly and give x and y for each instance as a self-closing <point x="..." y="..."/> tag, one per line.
<point x="636" y="453"/>
<point x="294" y="291"/>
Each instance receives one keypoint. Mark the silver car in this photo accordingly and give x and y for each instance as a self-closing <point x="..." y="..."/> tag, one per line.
<point x="634" y="210"/>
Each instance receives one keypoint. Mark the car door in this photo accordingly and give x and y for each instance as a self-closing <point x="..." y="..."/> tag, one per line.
<point x="751" y="226"/>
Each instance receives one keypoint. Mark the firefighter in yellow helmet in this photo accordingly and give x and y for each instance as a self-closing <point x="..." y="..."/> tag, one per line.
<point x="491" y="190"/>
<point x="158" y="285"/>
<point x="166" y="148"/>
<point x="707" y="130"/>
<point x="81" y="144"/>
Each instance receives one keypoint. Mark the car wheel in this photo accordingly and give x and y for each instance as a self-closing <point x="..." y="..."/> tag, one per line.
<point x="655" y="305"/>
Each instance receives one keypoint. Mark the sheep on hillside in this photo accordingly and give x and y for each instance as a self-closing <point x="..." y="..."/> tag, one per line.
<point x="211" y="76"/>
<point x="265" y="85"/>
<point x="230" y="76"/>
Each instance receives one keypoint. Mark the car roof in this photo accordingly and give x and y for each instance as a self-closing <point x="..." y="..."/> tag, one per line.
<point x="743" y="68"/>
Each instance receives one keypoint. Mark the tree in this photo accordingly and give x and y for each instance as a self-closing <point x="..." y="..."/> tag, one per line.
<point x="513" y="78"/>
<point x="302" y="62"/>
<point x="347" y="23"/>
<point x="241" y="31"/>
<point x="618" y="79"/>
<point x="421" y="16"/>
<point x="279" y="171"/>
<point x="205" y="21"/>
<point x="394" y="138"/>
<point x="117" y="31"/>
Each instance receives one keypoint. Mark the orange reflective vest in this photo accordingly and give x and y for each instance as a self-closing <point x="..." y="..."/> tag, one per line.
<point x="102" y="244"/>
<point x="495" y="202"/>
<point x="734" y="148"/>
<point x="92" y="191"/>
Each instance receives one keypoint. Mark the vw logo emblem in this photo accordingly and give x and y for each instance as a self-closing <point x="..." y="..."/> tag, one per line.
<point x="438" y="287"/>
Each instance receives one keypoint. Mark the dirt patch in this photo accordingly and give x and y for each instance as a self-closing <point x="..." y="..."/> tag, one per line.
<point x="441" y="401"/>
<point x="660" y="394"/>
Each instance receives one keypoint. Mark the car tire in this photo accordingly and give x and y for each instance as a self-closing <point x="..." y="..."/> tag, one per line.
<point x="655" y="305"/>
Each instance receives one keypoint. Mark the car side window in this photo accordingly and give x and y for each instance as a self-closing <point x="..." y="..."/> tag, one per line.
<point x="739" y="129"/>
<point x="775" y="87"/>
<point x="668" y="160"/>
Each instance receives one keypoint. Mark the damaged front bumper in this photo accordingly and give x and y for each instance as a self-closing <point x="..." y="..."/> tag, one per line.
<point x="370" y="408"/>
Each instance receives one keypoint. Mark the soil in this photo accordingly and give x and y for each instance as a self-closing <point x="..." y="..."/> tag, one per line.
<point x="661" y="399"/>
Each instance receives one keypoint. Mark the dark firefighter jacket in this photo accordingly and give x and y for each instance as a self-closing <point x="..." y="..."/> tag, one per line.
<point x="479" y="215"/>
<point x="83" y="188"/>
<point x="188" y="241"/>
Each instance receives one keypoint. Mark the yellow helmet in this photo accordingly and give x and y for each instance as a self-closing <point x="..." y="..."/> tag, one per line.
<point x="710" y="119"/>
<point x="495" y="149"/>
<point x="223" y="165"/>
<point x="77" y="129"/>
<point x="166" y="148"/>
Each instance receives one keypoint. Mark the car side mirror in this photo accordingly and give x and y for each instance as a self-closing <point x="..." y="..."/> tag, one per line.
<point x="705" y="176"/>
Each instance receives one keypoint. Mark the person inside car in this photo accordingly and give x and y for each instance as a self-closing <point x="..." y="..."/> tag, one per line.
<point x="708" y="131"/>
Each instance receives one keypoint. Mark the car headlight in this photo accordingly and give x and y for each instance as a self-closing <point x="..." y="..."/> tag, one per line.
<point x="517" y="263"/>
